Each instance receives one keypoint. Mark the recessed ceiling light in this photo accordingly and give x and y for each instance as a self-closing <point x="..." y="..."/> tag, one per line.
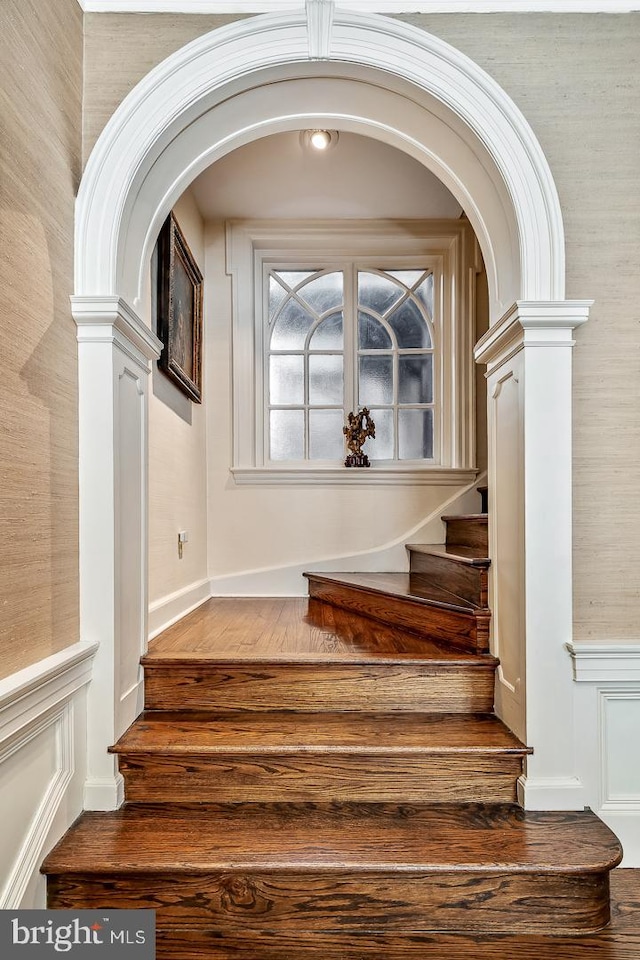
<point x="319" y="140"/>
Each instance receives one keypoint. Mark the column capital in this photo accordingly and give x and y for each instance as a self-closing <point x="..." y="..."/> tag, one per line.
<point x="528" y="323"/>
<point x="111" y="319"/>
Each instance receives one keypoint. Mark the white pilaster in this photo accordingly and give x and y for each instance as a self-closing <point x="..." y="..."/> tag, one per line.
<point x="115" y="349"/>
<point x="528" y="357"/>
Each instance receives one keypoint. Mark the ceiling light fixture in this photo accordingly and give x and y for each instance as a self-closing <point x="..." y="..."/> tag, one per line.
<point x="319" y="140"/>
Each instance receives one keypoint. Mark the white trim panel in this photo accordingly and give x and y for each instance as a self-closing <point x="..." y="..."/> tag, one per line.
<point x="171" y="608"/>
<point x="115" y="350"/>
<point x="26" y="695"/>
<point x="367" y="6"/>
<point x="528" y="357"/>
<point x="605" y="661"/>
<point x="323" y="476"/>
<point x="42" y="741"/>
<point x="607" y="724"/>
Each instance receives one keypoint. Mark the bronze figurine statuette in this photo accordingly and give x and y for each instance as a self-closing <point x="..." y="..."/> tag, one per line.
<point x="359" y="428"/>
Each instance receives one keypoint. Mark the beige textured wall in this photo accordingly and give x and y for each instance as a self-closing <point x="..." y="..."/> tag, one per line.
<point x="177" y="460"/>
<point x="576" y="79"/>
<point x="40" y="147"/>
<point x="120" y="48"/>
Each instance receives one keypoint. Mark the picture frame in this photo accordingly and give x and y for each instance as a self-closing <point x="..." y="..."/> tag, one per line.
<point x="179" y="314"/>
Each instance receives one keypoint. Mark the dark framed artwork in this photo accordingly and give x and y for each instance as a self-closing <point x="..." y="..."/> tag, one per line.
<point x="179" y="310"/>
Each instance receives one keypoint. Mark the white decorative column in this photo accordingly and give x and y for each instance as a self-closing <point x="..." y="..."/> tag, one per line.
<point x="115" y="350"/>
<point x="528" y="358"/>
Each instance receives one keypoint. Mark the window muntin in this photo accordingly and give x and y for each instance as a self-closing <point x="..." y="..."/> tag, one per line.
<point x="339" y="338"/>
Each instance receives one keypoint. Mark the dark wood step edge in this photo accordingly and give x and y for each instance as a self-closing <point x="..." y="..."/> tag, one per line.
<point x="443" y="552"/>
<point x="175" y="750"/>
<point x="456" y="605"/>
<point x="482" y="518"/>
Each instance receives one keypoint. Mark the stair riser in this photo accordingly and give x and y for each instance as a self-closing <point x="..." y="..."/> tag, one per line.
<point x="332" y="776"/>
<point x="469" y="533"/>
<point x="365" y="688"/>
<point x="463" y="631"/>
<point x="467" y="582"/>
<point x="305" y="900"/>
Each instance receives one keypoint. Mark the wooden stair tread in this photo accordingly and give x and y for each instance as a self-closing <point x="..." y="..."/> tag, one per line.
<point x="481" y="518"/>
<point x="258" y="630"/>
<point x="334" y="837"/>
<point x="455" y="552"/>
<point x="174" y="733"/>
<point x="410" y="587"/>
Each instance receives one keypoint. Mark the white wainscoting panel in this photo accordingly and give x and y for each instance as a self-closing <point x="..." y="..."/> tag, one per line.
<point x="42" y="766"/>
<point x="607" y="706"/>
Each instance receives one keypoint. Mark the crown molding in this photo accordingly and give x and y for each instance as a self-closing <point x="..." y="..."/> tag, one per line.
<point x="365" y="6"/>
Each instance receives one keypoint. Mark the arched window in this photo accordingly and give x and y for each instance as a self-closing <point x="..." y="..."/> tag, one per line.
<point x="346" y="315"/>
<point x="345" y="338"/>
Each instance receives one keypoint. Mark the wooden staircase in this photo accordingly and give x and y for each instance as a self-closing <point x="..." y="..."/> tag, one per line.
<point x="329" y="771"/>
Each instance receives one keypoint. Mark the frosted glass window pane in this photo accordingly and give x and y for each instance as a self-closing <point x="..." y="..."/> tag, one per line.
<point x="328" y="334"/>
<point x="371" y="334"/>
<point x="424" y="293"/>
<point x="286" y="380"/>
<point x="293" y="278"/>
<point x="287" y="434"/>
<point x="276" y="295"/>
<point x="415" y="379"/>
<point x="291" y="327"/>
<point x="415" y="434"/>
<point x="325" y="379"/>
<point x="376" y="380"/>
<point x="324" y="293"/>
<point x="409" y="326"/>
<point x="382" y="447"/>
<point x="326" y="440"/>
<point x="376" y="292"/>
<point x="408" y="277"/>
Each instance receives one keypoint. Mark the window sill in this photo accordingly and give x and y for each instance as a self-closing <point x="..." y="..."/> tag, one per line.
<point x="329" y="476"/>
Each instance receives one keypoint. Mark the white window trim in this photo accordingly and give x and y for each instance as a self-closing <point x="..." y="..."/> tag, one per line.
<point x="249" y="244"/>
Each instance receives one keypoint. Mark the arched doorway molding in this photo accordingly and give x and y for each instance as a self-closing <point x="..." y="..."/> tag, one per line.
<point x="208" y="71"/>
<point x="389" y="80"/>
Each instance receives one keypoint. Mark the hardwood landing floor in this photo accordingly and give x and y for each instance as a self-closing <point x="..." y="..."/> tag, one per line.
<point x="291" y="629"/>
<point x="619" y="941"/>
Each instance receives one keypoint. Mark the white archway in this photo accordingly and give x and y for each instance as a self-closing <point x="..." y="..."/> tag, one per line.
<point x="110" y="220"/>
<point x="392" y="81"/>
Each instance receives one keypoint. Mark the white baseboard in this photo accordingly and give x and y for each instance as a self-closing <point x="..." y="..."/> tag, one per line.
<point x="132" y="700"/>
<point x="168" y="610"/>
<point x="287" y="580"/>
<point x="42" y="766"/>
<point x="553" y="793"/>
<point x="106" y="794"/>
